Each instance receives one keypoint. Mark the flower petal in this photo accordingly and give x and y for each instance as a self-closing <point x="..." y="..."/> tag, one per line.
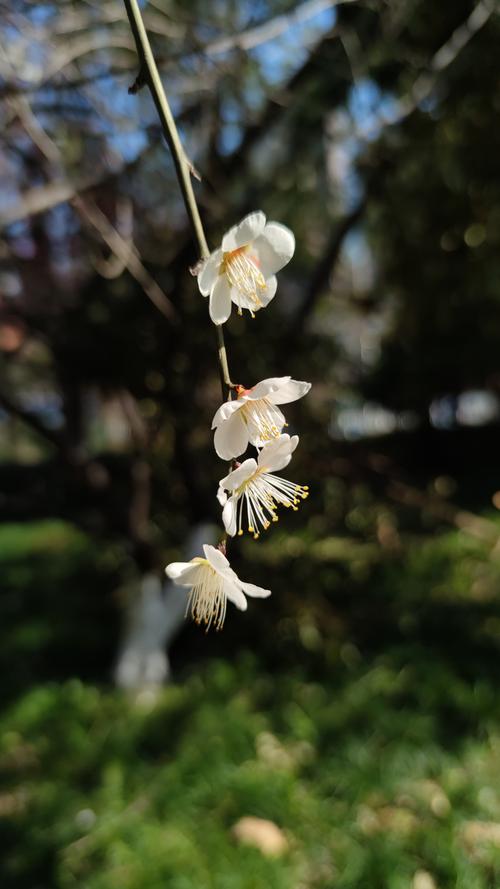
<point x="289" y="391"/>
<point x="257" y="592"/>
<point x="257" y="436"/>
<point x="265" y="387"/>
<point x="234" y="595"/>
<point x="209" y="272"/>
<point x="216" y="559"/>
<point x="221" y="495"/>
<point x="220" y="300"/>
<point x="231" y="437"/>
<point x="249" y="228"/>
<point x="229" y="516"/>
<point x="183" y="573"/>
<point x="264" y="296"/>
<point x="225" y="411"/>
<point x="274" y="248"/>
<point x="236" y="478"/>
<point x="277" y="453"/>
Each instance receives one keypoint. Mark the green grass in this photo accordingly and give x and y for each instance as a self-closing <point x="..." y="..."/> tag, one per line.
<point x="103" y="793"/>
<point x="365" y="723"/>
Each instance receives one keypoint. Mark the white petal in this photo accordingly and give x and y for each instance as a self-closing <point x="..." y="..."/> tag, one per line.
<point x="264" y="296"/>
<point x="225" y="411"/>
<point x="231" y="437"/>
<point x="216" y="559"/>
<point x="176" y="569"/>
<point x="255" y="436"/>
<point x="234" y="595"/>
<point x="290" y="391"/>
<point x="183" y="573"/>
<point x="229" y="516"/>
<point x="249" y="228"/>
<point x="209" y="273"/>
<point x="277" y="453"/>
<point x="274" y="248"/>
<point x="221" y="495"/>
<point x="257" y="592"/>
<point x="267" y="295"/>
<point x="220" y="300"/>
<point x="236" y="478"/>
<point x="265" y="387"/>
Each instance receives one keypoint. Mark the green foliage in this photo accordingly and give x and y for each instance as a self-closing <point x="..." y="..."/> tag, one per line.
<point x="370" y="738"/>
<point x="56" y="610"/>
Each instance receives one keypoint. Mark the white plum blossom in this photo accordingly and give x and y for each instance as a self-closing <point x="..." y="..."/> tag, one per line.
<point x="253" y="417"/>
<point x="256" y="492"/>
<point x="243" y="269"/>
<point x="212" y="582"/>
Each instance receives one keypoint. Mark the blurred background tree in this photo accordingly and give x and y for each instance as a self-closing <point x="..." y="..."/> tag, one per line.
<point x="370" y="129"/>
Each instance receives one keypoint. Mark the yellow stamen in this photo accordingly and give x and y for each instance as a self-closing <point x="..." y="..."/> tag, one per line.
<point x="207" y="600"/>
<point x="242" y="272"/>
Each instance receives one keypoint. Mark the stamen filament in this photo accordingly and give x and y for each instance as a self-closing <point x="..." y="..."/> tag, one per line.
<point x="243" y="273"/>
<point x="207" y="600"/>
<point x="264" y="420"/>
<point x="260" y="496"/>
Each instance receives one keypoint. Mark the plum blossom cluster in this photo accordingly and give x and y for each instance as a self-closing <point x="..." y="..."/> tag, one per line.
<point x="243" y="271"/>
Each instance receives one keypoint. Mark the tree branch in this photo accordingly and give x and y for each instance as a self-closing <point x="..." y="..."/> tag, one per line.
<point x="323" y="271"/>
<point x="126" y="253"/>
<point x="32" y="420"/>
<point x="148" y="74"/>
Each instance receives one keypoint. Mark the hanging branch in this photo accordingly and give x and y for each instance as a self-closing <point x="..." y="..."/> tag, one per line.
<point x="242" y="271"/>
<point x="149" y="76"/>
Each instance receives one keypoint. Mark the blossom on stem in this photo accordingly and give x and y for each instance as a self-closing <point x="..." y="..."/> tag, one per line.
<point x="243" y="269"/>
<point x="212" y="582"/>
<point x="256" y="493"/>
<point x="253" y="417"/>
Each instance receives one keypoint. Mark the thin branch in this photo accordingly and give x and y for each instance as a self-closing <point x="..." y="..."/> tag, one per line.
<point x="443" y="58"/>
<point x="421" y="89"/>
<point x="426" y="82"/>
<point x="91" y="213"/>
<point x="148" y="74"/>
<point x="32" y="420"/>
<point x="476" y="526"/>
<point x="323" y="271"/>
<point x="125" y="252"/>
<point x="41" y="198"/>
<point x="273" y="28"/>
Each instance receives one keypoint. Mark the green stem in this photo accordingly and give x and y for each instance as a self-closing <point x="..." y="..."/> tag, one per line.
<point x="148" y="74"/>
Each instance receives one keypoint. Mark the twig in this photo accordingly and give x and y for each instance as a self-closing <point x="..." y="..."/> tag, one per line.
<point x="148" y="75"/>
<point x="323" y="270"/>
<point x="466" y="521"/>
<point x="426" y="82"/>
<point x="272" y="28"/>
<point x="32" y="420"/>
<point x="407" y="105"/>
<point x="90" y="212"/>
<point x="126" y="253"/>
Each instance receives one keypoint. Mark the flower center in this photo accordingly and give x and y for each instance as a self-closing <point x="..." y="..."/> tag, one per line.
<point x="243" y="273"/>
<point x="265" y="420"/>
<point x="207" y="599"/>
<point x="261" y="494"/>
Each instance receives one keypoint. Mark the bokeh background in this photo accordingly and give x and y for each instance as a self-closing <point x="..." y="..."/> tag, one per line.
<point x="355" y="713"/>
